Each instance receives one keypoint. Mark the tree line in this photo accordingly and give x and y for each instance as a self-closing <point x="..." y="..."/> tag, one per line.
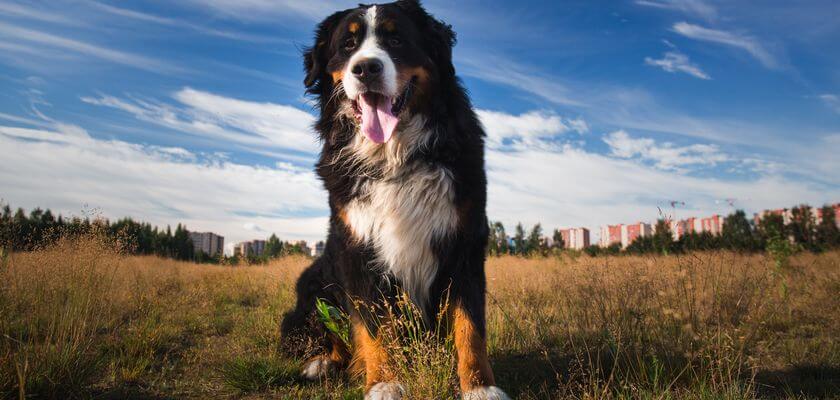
<point x="20" y="231"/>
<point x="738" y="233"/>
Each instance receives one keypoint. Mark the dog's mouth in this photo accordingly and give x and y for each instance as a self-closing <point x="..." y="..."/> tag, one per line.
<point x="379" y="114"/>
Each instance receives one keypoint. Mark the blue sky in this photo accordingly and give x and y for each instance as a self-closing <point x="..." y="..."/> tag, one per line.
<point x="596" y="111"/>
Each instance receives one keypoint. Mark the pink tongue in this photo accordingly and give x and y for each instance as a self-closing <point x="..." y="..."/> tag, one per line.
<point x="378" y="122"/>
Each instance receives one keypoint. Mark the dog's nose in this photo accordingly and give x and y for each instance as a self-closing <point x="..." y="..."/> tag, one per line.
<point x="368" y="69"/>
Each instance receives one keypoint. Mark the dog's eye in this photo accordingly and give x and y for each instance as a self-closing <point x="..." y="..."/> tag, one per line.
<point x="350" y="44"/>
<point x="394" y="42"/>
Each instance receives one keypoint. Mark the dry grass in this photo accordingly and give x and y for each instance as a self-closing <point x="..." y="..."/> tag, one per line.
<point x="80" y="321"/>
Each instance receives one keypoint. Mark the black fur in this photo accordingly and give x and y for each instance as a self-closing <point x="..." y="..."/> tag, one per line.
<point x="344" y="271"/>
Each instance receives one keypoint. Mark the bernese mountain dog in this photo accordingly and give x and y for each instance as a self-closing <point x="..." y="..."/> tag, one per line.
<point x="403" y="162"/>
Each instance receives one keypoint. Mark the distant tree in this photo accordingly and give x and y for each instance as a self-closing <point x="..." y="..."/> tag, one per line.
<point x="557" y="239"/>
<point x="827" y="235"/>
<point x="737" y="233"/>
<point x="533" y="245"/>
<point x="273" y="247"/>
<point x="492" y="241"/>
<point x="183" y="247"/>
<point x="642" y="245"/>
<point x="802" y="227"/>
<point x="501" y="238"/>
<point x="519" y="245"/>
<point x="663" y="239"/>
<point x="771" y="226"/>
<point x="593" y="250"/>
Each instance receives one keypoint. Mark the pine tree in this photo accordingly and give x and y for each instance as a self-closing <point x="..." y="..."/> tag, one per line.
<point x="663" y="239"/>
<point x="492" y="241"/>
<point x="559" y="243"/>
<point x="828" y="236"/>
<point x="771" y="227"/>
<point x="273" y="247"/>
<point x="533" y="244"/>
<point x="502" y="238"/>
<point x="802" y="227"/>
<point x="519" y="240"/>
<point x="737" y="232"/>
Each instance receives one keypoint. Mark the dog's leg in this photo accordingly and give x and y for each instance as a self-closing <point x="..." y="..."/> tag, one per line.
<point x="320" y="366"/>
<point x="379" y="383"/>
<point x="474" y="372"/>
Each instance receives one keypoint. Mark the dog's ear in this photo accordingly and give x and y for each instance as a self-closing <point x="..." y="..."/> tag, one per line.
<point x="409" y="4"/>
<point x="443" y="38"/>
<point x="439" y="34"/>
<point x="315" y="57"/>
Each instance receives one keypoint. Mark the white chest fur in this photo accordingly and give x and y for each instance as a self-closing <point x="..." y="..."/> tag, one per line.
<point x="401" y="218"/>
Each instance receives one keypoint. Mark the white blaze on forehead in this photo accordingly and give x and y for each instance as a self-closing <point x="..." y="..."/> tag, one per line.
<point x="370" y="49"/>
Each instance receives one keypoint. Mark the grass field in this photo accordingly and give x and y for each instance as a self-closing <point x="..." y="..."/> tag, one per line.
<point x="79" y="320"/>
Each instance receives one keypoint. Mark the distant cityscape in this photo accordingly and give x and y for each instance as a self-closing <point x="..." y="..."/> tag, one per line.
<point x="625" y="234"/>
<point x="573" y="238"/>
<point x="213" y="245"/>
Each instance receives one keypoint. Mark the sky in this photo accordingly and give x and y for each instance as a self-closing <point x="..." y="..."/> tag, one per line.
<point x="597" y="112"/>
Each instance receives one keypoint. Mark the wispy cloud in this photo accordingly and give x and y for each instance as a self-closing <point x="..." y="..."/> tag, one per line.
<point x="740" y="41"/>
<point x="529" y="128"/>
<point x="697" y="8"/>
<point x="159" y="184"/>
<point x="674" y="61"/>
<point x="115" y="56"/>
<point x="20" y="11"/>
<point x="257" y="126"/>
<point x="574" y="187"/>
<point x="665" y="156"/>
<point x="182" y="24"/>
<point x="501" y="70"/>
<point x="267" y="10"/>
<point x="831" y="100"/>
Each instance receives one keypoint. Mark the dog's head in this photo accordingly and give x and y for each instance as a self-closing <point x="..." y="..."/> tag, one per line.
<point x="379" y="64"/>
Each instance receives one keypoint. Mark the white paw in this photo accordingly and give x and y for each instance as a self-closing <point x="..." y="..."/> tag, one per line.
<point x="486" y="393"/>
<point x="385" y="391"/>
<point x="316" y="369"/>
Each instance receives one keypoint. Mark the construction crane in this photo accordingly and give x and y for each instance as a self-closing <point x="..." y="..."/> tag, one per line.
<point x="731" y="201"/>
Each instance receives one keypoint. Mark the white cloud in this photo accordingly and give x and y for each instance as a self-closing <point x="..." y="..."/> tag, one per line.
<point x="664" y="156"/>
<point x="692" y="7"/>
<point x="64" y="169"/>
<point x="743" y="42"/>
<point x="674" y="61"/>
<point x="573" y="187"/>
<point x="115" y="56"/>
<point x="831" y="100"/>
<point x="620" y="106"/>
<point x="256" y="126"/>
<point x="65" y="172"/>
<point x="527" y="128"/>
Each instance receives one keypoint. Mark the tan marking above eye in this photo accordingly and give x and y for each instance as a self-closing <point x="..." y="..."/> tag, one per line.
<point x="354" y="26"/>
<point x="389" y="25"/>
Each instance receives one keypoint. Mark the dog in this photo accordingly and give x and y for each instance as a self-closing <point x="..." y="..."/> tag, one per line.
<point x="403" y="163"/>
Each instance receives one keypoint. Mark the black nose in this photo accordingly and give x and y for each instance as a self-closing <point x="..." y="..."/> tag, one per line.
<point x="368" y="69"/>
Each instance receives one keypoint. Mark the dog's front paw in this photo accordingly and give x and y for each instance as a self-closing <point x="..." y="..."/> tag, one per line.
<point x="385" y="391"/>
<point x="485" y="393"/>
<point x="317" y="368"/>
